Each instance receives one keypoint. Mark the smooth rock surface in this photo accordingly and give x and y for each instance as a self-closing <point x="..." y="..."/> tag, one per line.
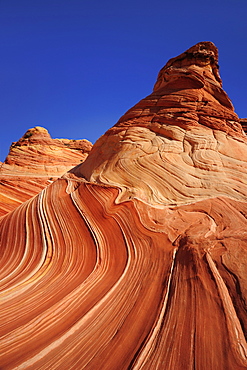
<point x="136" y="258"/>
<point x="34" y="162"/>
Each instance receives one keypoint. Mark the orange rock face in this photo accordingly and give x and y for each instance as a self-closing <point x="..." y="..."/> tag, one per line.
<point x="243" y="122"/>
<point x="34" y="162"/>
<point x="136" y="258"/>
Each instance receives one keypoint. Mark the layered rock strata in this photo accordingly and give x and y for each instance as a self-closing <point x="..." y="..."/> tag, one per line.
<point x="34" y="162"/>
<point x="136" y="259"/>
<point x="243" y="122"/>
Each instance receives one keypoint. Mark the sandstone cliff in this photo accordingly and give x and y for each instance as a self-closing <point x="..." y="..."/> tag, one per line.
<point x="34" y="162"/>
<point x="136" y="258"/>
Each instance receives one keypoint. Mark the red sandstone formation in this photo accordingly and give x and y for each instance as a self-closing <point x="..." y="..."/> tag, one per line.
<point x="34" y="162"/>
<point x="243" y="122"/>
<point x="136" y="259"/>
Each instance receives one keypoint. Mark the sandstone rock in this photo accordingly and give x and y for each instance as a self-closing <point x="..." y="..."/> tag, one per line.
<point x="137" y="257"/>
<point x="186" y="131"/>
<point x="243" y="122"/>
<point x="34" y="162"/>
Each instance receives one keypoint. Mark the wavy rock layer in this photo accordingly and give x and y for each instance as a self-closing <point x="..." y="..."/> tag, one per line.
<point x="243" y="122"/>
<point x="116" y="265"/>
<point x="34" y="162"/>
<point x="182" y="143"/>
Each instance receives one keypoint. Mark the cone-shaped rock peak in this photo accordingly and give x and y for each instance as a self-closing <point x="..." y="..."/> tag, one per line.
<point x="178" y="144"/>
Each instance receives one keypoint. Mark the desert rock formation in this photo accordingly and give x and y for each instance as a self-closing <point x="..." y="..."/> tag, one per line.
<point x="34" y="162"/>
<point x="136" y="258"/>
<point x="243" y="122"/>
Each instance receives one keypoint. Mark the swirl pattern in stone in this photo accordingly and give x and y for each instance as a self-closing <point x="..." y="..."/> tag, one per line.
<point x="136" y="258"/>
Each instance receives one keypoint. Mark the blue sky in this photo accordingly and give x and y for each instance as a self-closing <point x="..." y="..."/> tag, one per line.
<point x="75" y="66"/>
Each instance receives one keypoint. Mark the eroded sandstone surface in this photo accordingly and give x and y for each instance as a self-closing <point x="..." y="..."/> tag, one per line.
<point x="136" y="258"/>
<point x="243" y="122"/>
<point x="34" y="162"/>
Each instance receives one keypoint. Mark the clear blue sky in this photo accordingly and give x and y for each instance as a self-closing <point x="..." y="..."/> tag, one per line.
<point x="75" y="66"/>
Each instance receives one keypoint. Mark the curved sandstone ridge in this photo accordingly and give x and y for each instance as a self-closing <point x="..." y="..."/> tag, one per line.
<point x="110" y="267"/>
<point x="34" y="162"/>
<point x="180" y="144"/>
